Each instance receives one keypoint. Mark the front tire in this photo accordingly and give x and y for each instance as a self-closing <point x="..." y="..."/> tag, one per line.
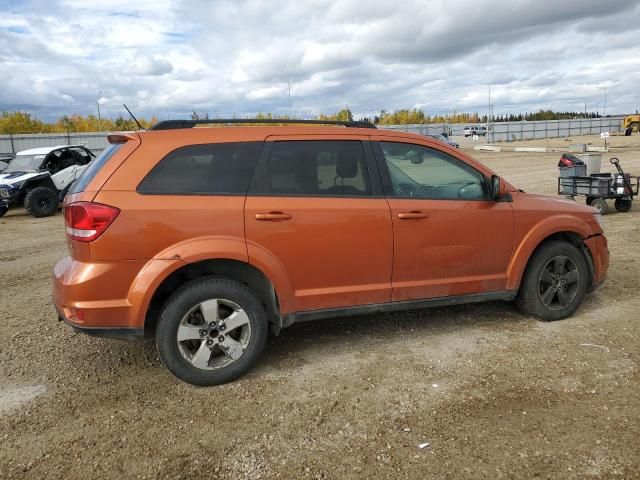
<point x="211" y="331"/>
<point x="555" y="282"/>
<point x="41" y="202"/>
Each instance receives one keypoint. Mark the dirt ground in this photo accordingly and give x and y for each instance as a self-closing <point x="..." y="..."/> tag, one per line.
<point x="494" y="394"/>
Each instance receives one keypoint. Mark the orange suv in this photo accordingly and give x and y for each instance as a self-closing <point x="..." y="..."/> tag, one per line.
<point x="208" y="238"/>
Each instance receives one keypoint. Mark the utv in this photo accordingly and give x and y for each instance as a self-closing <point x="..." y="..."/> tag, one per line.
<point x="39" y="178"/>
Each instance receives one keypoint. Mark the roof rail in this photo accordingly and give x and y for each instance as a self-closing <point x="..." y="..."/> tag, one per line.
<point x="176" y="124"/>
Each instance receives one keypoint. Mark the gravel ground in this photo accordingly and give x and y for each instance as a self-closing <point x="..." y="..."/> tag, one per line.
<point x="494" y="394"/>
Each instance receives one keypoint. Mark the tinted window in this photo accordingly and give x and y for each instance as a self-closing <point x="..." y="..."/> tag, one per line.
<point x="423" y="172"/>
<point x="218" y="168"/>
<point x="93" y="168"/>
<point x="333" y="168"/>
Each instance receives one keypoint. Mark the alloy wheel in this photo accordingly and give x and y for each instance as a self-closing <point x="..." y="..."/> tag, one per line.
<point x="213" y="334"/>
<point x="559" y="282"/>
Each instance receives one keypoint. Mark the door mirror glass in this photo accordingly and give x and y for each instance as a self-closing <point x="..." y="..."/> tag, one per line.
<point x="496" y="193"/>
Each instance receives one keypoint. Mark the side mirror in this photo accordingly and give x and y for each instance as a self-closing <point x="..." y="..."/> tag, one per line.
<point x="416" y="159"/>
<point x="496" y="188"/>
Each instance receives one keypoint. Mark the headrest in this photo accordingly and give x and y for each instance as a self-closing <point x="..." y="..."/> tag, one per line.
<point x="347" y="165"/>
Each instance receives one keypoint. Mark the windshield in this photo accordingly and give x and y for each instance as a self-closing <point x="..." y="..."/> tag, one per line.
<point x="25" y="163"/>
<point x="442" y="138"/>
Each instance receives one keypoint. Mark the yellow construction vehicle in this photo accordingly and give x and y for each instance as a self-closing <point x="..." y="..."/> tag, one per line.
<point x="631" y="123"/>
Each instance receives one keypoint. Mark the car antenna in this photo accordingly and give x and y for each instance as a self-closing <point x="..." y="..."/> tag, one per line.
<point x="134" y="118"/>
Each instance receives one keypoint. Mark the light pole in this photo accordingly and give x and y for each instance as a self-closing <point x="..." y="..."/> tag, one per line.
<point x="604" y="109"/>
<point x="489" y="116"/>
<point x="98" y="104"/>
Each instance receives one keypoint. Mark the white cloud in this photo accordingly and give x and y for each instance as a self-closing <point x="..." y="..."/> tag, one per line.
<point x="235" y="57"/>
<point x="151" y="66"/>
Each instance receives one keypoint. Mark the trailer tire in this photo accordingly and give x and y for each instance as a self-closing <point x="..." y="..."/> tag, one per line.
<point x="600" y="204"/>
<point x="623" y="205"/>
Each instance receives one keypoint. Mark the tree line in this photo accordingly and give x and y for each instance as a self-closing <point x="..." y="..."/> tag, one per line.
<point x="18" y="122"/>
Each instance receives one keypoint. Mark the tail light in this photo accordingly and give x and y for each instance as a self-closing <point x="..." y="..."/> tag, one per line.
<point x="86" y="221"/>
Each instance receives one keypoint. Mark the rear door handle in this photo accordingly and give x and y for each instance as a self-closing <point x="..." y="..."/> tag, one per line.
<point x="412" y="215"/>
<point x="273" y="216"/>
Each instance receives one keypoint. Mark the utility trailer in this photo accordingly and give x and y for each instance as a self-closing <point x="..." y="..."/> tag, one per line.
<point x="599" y="187"/>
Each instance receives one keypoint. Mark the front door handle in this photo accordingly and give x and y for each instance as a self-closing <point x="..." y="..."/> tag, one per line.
<point x="412" y="215"/>
<point x="273" y="216"/>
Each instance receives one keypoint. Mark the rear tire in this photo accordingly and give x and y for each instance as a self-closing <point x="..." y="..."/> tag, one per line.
<point x="623" y="205"/>
<point x="554" y="283"/>
<point x="41" y="202"/>
<point x="223" y="327"/>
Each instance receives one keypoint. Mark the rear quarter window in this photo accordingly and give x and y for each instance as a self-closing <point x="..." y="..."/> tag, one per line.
<point x="94" y="167"/>
<point x="209" y="169"/>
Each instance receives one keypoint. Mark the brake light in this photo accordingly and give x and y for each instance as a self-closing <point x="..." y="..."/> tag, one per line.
<point x="86" y="221"/>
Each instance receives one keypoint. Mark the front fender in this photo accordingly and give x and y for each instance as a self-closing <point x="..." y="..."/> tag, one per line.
<point x="535" y="235"/>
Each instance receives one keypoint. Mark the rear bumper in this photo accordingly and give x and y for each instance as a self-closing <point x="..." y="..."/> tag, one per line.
<point x="599" y="250"/>
<point x="112" y="332"/>
<point x="107" y="298"/>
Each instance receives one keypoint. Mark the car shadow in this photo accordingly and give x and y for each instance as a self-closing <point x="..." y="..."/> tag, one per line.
<point x="347" y="333"/>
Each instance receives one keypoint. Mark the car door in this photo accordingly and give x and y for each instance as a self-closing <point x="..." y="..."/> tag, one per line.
<point x="450" y="238"/>
<point x="316" y="215"/>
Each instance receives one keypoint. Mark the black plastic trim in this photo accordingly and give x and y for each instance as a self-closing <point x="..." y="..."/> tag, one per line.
<point x="311" y="315"/>
<point x="123" y="333"/>
<point x="177" y="124"/>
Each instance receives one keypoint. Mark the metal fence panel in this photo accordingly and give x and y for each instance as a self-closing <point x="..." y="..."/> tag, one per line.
<point x="500" y="132"/>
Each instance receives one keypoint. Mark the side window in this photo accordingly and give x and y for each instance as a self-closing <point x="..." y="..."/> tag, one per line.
<point x="422" y="172"/>
<point x="217" y="168"/>
<point x="318" y="167"/>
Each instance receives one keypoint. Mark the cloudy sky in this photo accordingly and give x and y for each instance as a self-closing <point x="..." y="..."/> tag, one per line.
<point x="167" y="57"/>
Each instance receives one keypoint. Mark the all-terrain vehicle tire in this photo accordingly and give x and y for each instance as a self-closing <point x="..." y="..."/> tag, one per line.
<point x="41" y="202"/>
<point x="554" y="283"/>
<point x="4" y="208"/>
<point x="623" y="205"/>
<point x="211" y="331"/>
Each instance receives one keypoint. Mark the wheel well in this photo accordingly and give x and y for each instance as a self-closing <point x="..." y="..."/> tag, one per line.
<point x="219" y="268"/>
<point x="577" y="241"/>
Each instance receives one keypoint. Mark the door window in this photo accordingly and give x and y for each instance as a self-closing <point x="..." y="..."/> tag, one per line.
<point x="421" y="172"/>
<point x="314" y="168"/>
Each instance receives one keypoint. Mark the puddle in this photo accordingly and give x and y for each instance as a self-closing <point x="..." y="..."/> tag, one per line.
<point x="14" y="397"/>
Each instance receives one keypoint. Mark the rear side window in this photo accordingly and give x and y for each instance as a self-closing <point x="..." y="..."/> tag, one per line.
<point x="217" y="168"/>
<point x="332" y="168"/>
<point x="94" y="167"/>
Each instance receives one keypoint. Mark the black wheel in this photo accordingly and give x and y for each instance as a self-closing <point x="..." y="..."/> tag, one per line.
<point x="554" y="283"/>
<point x="211" y="331"/>
<point x="600" y="204"/>
<point x="4" y="208"/>
<point x="623" y="205"/>
<point x="41" y="202"/>
<point x="589" y="200"/>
